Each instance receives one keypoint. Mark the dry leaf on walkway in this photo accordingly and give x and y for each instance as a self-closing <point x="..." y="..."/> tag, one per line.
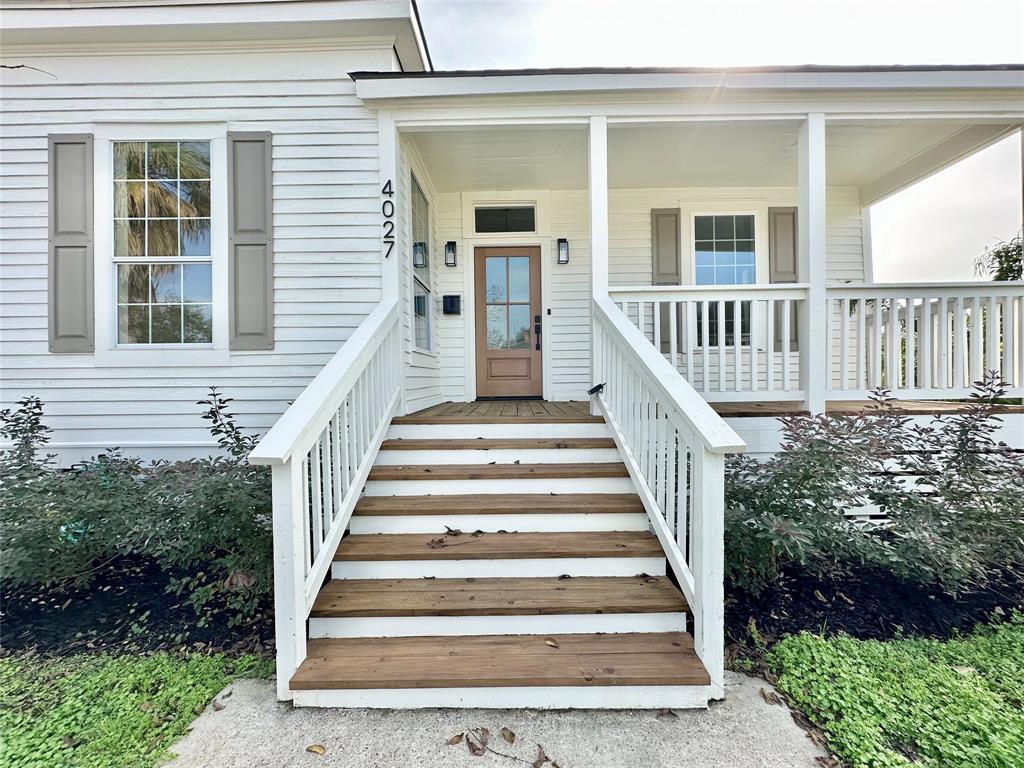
<point x="474" y="749"/>
<point x="217" y="706"/>
<point x="770" y="697"/>
<point x="551" y="641"/>
<point x="456" y="739"/>
<point x="485" y="736"/>
<point x="541" y="758"/>
<point x="508" y="736"/>
<point x="317" y="749"/>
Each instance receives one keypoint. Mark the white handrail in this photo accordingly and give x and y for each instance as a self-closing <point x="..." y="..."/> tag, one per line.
<point x="321" y="451"/>
<point x="674" y="446"/>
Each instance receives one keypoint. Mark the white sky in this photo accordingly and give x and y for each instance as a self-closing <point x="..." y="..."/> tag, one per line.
<point x="933" y="230"/>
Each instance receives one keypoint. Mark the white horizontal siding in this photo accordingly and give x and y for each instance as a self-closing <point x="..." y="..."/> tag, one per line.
<point x="326" y="230"/>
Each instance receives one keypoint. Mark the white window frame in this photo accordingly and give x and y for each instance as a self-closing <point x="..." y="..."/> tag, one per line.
<point x="430" y="349"/>
<point x="760" y="214"/>
<point x="760" y="239"/>
<point x="108" y="351"/>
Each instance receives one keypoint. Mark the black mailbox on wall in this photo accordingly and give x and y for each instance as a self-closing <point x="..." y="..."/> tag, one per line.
<point x="452" y="304"/>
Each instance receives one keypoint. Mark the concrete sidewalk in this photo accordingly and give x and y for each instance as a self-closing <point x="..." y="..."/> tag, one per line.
<point x="253" y="730"/>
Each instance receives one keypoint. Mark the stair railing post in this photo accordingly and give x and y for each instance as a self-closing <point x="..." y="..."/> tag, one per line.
<point x="289" y="572"/>
<point x="708" y="565"/>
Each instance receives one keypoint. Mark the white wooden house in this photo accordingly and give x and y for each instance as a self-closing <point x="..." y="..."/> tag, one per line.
<point x="637" y="267"/>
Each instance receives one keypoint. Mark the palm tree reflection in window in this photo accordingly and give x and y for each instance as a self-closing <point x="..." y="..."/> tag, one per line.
<point x="162" y="211"/>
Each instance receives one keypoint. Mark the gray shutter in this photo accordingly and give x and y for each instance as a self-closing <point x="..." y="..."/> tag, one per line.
<point x="70" y="259"/>
<point x="251" y="243"/>
<point x="782" y="260"/>
<point x="665" y="246"/>
<point x="665" y="262"/>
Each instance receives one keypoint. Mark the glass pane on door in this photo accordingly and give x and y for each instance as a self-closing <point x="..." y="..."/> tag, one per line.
<point x="519" y="326"/>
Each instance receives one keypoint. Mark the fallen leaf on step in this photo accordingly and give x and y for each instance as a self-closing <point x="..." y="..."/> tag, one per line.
<point x="508" y="735"/>
<point x="453" y="531"/>
<point x="217" y="706"/>
<point x="485" y="736"/>
<point x="317" y="749"/>
<point x="551" y="641"/>
<point x="226" y="695"/>
<point x="587" y="676"/>
<point x="564" y="576"/>
<point x="667" y="714"/>
<point x="541" y="758"/>
<point x="456" y="739"/>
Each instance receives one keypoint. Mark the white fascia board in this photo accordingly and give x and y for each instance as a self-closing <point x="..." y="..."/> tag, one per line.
<point x="77" y="24"/>
<point x="935" y="158"/>
<point x="498" y="84"/>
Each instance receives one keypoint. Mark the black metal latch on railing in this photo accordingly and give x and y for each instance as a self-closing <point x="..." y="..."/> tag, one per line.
<point x="595" y="389"/>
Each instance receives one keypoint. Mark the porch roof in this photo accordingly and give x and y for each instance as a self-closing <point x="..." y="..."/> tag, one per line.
<point x="403" y="85"/>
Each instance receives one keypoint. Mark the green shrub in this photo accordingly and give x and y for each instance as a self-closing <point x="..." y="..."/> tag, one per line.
<point x="952" y="527"/>
<point x="954" y="704"/>
<point x="207" y="520"/>
<point x="103" y="711"/>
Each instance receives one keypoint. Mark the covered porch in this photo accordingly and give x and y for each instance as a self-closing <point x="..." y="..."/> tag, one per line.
<point x="739" y="248"/>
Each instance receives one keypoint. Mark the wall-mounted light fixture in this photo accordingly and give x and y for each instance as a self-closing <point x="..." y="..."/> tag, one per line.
<point x="419" y="255"/>
<point x="563" y="251"/>
<point x="449" y="253"/>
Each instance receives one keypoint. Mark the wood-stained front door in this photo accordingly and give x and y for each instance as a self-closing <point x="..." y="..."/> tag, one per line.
<point x="508" y="322"/>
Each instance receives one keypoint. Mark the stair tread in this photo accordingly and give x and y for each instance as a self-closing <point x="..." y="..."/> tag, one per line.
<point x="500" y="504"/>
<point x="496" y="471"/>
<point x="497" y="546"/>
<point x="498" y="419"/>
<point x="495" y="443"/>
<point x="497" y="596"/>
<point x="664" y="658"/>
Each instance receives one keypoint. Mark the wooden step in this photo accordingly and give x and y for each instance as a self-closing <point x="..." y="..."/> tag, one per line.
<point x="495" y="443"/>
<point x="497" y="597"/>
<point x="501" y="504"/>
<point x="497" y="471"/>
<point x="497" y="546"/>
<point x="655" y="659"/>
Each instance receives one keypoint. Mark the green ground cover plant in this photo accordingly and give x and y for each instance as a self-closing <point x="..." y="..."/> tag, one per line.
<point x="101" y="711"/>
<point x="913" y="701"/>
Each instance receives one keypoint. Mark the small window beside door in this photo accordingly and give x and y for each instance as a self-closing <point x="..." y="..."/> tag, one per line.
<point x="420" y="215"/>
<point x="494" y="219"/>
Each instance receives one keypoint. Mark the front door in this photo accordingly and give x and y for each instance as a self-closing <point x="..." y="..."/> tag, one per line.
<point x="508" y="319"/>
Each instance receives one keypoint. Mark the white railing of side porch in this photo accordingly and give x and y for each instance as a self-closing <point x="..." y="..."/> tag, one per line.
<point x="694" y="327"/>
<point x="321" y="451"/>
<point x="674" y="446"/>
<point x="924" y="340"/>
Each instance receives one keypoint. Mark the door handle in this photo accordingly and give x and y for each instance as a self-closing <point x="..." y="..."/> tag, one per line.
<point x="536" y="330"/>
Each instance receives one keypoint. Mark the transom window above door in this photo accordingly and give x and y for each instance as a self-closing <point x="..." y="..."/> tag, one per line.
<point x="724" y="249"/>
<point x="162" y="227"/>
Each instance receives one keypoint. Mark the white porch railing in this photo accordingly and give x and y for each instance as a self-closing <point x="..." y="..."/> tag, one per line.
<point x="924" y="340"/>
<point x="321" y="451"/>
<point x="695" y="328"/>
<point x="674" y="446"/>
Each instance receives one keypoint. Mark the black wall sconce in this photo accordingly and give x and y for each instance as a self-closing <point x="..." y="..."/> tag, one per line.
<point x="563" y="251"/>
<point x="449" y="253"/>
<point x="419" y="255"/>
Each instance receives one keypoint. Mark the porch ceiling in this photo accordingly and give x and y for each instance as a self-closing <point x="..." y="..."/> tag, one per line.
<point x="693" y="154"/>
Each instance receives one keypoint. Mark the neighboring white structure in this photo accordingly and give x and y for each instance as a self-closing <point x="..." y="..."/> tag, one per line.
<point x="283" y="199"/>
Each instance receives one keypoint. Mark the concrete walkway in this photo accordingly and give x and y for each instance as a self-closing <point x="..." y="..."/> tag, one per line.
<point x="253" y="730"/>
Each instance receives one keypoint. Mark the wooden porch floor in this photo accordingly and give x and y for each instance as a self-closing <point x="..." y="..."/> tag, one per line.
<point x="542" y="411"/>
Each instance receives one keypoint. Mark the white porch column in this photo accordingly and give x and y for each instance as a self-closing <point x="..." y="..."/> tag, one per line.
<point x="387" y="148"/>
<point x="598" y="174"/>
<point x="813" y="322"/>
<point x="390" y="258"/>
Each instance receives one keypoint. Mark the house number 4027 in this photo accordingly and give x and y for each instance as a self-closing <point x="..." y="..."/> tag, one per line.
<point x="387" y="209"/>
